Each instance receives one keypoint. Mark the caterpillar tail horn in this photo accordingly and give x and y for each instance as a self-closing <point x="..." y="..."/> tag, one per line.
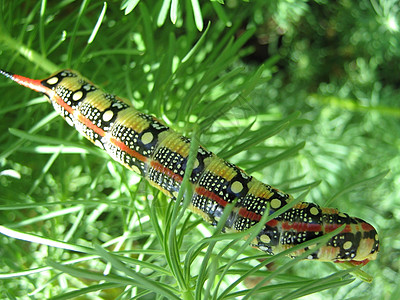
<point x="33" y="84"/>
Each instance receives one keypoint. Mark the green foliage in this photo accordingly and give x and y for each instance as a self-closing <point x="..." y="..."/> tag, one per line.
<point x="75" y="224"/>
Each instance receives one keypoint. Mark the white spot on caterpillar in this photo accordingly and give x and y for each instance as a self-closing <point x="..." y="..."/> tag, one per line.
<point x="77" y="96"/>
<point x="158" y="126"/>
<point x="108" y="115"/>
<point x="314" y="211"/>
<point x="347" y="245"/>
<point x="87" y="87"/>
<point x="99" y="144"/>
<point x="196" y="164"/>
<point x="265" y="239"/>
<point x="147" y="138"/>
<point x="275" y="203"/>
<point x="237" y="187"/>
<point x="202" y="151"/>
<point x="52" y="80"/>
<point x="135" y="169"/>
<point x="69" y="121"/>
<point x="118" y="105"/>
<point x="281" y="194"/>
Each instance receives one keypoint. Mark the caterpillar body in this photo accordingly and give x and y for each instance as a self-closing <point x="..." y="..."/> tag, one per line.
<point x="145" y="145"/>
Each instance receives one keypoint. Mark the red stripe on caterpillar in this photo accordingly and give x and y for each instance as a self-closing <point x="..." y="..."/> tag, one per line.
<point x="145" y="145"/>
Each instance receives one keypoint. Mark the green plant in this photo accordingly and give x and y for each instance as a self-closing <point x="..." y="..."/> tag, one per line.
<point x="66" y="197"/>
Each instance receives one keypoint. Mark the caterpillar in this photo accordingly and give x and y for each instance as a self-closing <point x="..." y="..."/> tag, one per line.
<point x="143" y="144"/>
